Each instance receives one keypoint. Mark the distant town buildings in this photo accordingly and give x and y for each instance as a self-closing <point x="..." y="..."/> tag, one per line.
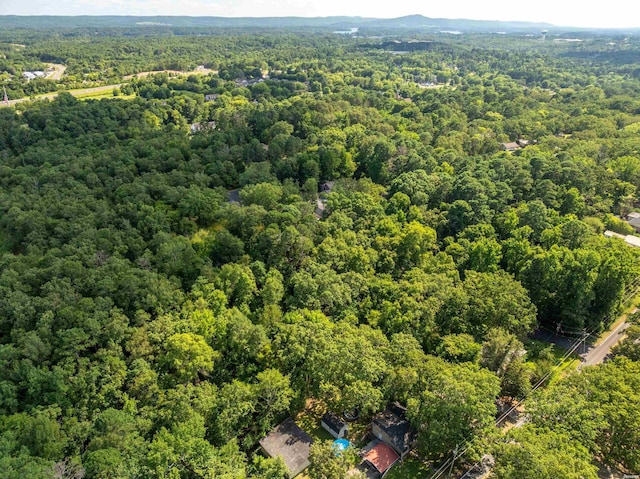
<point x="34" y="74"/>
<point x="207" y="126"/>
<point x="245" y="82"/>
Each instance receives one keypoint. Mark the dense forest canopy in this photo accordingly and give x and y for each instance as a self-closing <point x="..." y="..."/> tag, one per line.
<point x="311" y="217"/>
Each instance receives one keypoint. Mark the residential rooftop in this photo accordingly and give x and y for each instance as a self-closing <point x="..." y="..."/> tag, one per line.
<point x="291" y="443"/>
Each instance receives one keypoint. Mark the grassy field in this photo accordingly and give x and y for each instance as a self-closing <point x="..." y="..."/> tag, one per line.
<point x="103" y="94"/>
<point x="201" y="71"/>
<point x="411" y="467"/>
<point x="309" y="421"/>
<point x="535" y="355"/>
<point x="569" y="366"/>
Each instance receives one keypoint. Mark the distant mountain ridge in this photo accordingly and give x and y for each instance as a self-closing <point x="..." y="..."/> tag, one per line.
<point x="414" y="22"/>
<point x="420" y="21"/>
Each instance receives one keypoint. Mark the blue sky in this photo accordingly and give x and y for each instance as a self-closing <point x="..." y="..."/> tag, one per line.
<point x="581" y="13"/>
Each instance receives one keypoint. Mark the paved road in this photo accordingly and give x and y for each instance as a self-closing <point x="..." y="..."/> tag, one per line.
<point x="597" y="354"/>
<point x="58" y="71"/>
<point x="548" y="336"/>
<point x="594" y="355"/>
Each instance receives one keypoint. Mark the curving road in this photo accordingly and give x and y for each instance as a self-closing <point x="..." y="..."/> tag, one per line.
<point x="597" y="354"/>
<point x="58" y="71"/>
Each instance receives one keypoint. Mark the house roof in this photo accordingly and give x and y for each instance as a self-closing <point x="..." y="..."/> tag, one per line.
<point x="634" y="221"/>
<point x="511" y="146"/>
<point x="632" y="240"/>
<point x="333" y="421"/>
<point x="290" y="443"/>
<point x="381" y="456"/>
<point x="613" y="234"/>
<point x="234" y="195"/>
<point x="396" y="428"/>
<point x="209" y="125"/>
<point x="398" y="409"/>
<point x="327" y="186"/>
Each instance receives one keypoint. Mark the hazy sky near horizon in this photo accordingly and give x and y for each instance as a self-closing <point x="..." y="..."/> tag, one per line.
<point x="579" y="13"/>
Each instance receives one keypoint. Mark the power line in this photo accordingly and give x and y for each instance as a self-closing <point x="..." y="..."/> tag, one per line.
<point x="576" y="344"/>
<point x="518" y="402"/>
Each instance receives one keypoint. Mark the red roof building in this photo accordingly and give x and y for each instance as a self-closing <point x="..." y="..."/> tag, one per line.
<point x="381" y="456"/>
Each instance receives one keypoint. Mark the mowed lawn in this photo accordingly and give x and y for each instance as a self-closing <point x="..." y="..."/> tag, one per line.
<point x="411" y="467"/>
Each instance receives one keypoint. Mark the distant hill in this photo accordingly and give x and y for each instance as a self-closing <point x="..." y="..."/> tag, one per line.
<point x="14" y="21"/>
<point x="422" y="22"/>
<point x="413" y="22"/>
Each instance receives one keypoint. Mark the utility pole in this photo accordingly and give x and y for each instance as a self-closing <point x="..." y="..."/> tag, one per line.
<point x="455" y="453"/>
<point x="584" y="340"/>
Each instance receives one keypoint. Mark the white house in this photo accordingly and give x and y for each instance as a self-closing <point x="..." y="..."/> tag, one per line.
<point x="334" y="425"/>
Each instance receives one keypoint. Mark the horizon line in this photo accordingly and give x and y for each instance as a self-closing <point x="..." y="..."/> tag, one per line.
<point x="359" y="17"/>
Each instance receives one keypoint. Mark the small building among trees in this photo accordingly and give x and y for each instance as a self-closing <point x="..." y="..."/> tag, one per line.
<point x="327" y="186"/>
<point x="380" y="456"/>
<point x="631" y="240"/>
<point x="633" y="219"/>
<point x="291" y="443"/>
<point x="334" y="425"/>
<point x="392" y="428"/>
<point x="512" y="146"/>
